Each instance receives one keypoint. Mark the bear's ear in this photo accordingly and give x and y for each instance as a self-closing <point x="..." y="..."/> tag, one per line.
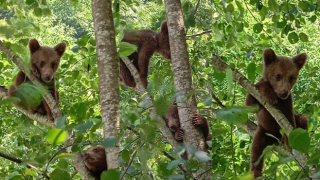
<point x="269" y="56"/>
<point x="60" y="48"/>
<point x="34" y="45"/>
<point x="164" y="27"/>
<point x="300" y="60"/>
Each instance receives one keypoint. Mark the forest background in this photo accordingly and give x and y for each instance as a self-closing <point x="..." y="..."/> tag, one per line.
<point x="235" y="31"/>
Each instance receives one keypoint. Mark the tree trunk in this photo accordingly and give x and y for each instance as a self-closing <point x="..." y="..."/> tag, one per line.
<point x="182" y="75"/>
<point x="108" y="71"/>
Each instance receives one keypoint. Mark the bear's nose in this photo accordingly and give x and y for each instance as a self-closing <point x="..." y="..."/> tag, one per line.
<point x="284" y="95"/>
<point x="47" y="78"/>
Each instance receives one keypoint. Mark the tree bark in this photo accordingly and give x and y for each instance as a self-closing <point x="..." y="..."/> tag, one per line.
<point x="182" y="75"/>
<point x="108" y="71"/>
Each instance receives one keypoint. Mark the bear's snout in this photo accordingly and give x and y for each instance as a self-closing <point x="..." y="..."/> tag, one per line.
<point x="284" y="95"/>
<point x="47" y="78"/>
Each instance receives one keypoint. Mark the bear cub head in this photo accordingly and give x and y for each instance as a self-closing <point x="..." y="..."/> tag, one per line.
<point x="172" y="118"/>
<point x="282" y="72"/>
<point x="95" y="159"/>
<point x="45" y="60"/>
<point x="163" y="41"/>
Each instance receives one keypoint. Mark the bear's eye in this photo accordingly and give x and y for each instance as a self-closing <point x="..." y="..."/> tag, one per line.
<point x="95" y="150"/>
<point x="53" y="65"/>
<point x="279" y="77"/>
<point x="166" y="119"/>
<point x="174" y="115"/>
<point x="41" y="64"/>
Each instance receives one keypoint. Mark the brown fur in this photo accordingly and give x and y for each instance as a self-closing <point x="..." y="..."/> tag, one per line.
<point x="44" y="63"/>
<point x="95" y="160"/>
<point x="148" y="43"/>
<point x="279" y="75"/>
<point x="173" y="122"/>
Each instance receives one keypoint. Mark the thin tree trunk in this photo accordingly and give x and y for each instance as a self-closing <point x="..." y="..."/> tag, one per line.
<point x="183" y="83"/>
<point x="108" y="71"/>
<point x="182" y="75"/>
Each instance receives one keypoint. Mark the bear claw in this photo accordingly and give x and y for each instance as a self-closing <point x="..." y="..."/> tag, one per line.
<point x="179" y="134"/>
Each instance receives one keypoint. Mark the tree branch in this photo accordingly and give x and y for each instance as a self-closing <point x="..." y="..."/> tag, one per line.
<point x="16" y="160"/>
<point x="142" y="93"/>
<point x="200" y="34"/>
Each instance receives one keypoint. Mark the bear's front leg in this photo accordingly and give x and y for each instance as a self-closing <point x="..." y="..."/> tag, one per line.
<point x="267" y="92"/>
<point x="48" y="110"/>
<point x="202" y="123"/>
<point x="178" y="135"/>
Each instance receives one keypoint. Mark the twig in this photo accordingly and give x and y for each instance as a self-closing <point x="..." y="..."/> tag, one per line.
<point x="200" y="34"/>
<point x="16" y="160"/>
<point x="195" y="11"/>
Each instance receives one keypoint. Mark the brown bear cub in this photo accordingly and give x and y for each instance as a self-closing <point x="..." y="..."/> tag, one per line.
<point x="95" y="160"/>
<point x="280" y="73"/>
<point x="44" y="63"/>
<point x="173" y="122"/>
<point x="148" y="43"/>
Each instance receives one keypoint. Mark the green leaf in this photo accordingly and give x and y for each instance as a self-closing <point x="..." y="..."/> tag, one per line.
<point x="63" y="164"/>
<point x="202" y="156"/>
<point x="315" y="157"/>
<point x="30" y="172"/>
<point x="313" y="18"/>
<point x="37" y="11"/>
<point x="9" y="100"/>
<point x="304" y="6"/>
<point x="56" y="136"/>
<point x="161" y="106"/>
<point x="257" y="28"/>
<point x="259" y="4"/>
<point x="84" y="127"/>
<point x="303" y="37"/>
<point x="29" y="2"/>
<point x="219" y="75"/>
<point x="235" y="115"/>
<point x="64" y="156"/>
<point x="273" y="5"/>
<point x="299" y="139"/>
<point x="251" y="71"/>
<point x="109" y="142"/>
<point x="61" y="122"/>
<point x="83" y="40"/>
<point x="293" y="38"/>
<point x="191" y="20"/>
<point x="59" y="174"/>
<point x="125" y="155"/>
<point x="219" y="131"/>
<point x="316" y="175"/>
<point x="126" y="49"/>
<point x="110" y="174"/>
<point x="175" y="163"/>
<point x="148" y="133"/>
<point x="30" y="95"/>
<point x="230" y="8"/>
<point x="230" y="81"/>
